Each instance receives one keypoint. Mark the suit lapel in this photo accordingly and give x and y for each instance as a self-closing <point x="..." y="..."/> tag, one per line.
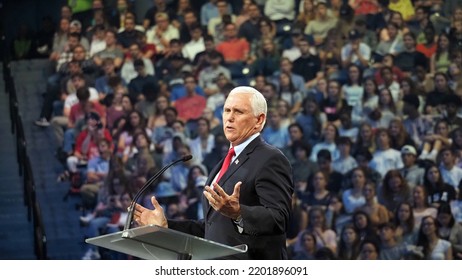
<point x="233" y="167"/>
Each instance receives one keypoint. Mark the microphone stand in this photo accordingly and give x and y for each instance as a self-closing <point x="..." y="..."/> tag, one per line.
<point x="131" y="208"/>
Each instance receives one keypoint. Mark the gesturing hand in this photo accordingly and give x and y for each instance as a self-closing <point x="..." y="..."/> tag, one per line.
<point x="144" y="216"/>
<point x="227" y="205"/>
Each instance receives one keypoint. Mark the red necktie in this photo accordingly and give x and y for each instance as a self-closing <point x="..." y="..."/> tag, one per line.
<point x="226" y="163"/>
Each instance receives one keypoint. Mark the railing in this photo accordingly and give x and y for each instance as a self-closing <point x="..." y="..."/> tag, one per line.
<point x="34" y="213"/>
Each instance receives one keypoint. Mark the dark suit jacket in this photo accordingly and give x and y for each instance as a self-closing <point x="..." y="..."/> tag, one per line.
<point x="265" y="199"/>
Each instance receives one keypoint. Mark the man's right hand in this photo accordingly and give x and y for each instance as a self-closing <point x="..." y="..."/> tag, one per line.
<point x="144" y="216"/>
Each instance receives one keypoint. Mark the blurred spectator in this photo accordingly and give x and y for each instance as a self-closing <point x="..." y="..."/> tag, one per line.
<point x="128" y="70"/>
<point x="420" y="205"/>
<point x="385" y="158"/>
<point x="438" y="191"/>
<point x="60" y="39"/>
<point x="390" y="248"/>
<point x="348" y="245"/>
<point x="112" y="50"/>
<point x="162" y="33"/>
<point x="434" y="142"/>
<point x="377" y="213"/>
<point x="307" y="65"/>
<point x="196" y="44"/>
<point x="433" y="247"/>
<point x="321" y="24"/>
<point x="449" y="229"/>
<point x="135" y="123"/>
<point x="399" y="135"/>
<point x="204" y="142"/>
<point x="160" y="6"/>
<point x="208" y="76"/>
<point x="250" y="28"/>
<point x="345" y="162"/>
<point x="410" y="57"/>
<point x="129" y="35"/>
<point x="190" y="106"/>
<point x="325" y="237"/>
<point x="216" y="25"/>
<point x="138" y="86"/>
<point x="405" y="232"/>
<point x="369" y="250"/>
<point x="305" y="246"/>
<point x="411" y="172"/>
<point x="273" y="133"/>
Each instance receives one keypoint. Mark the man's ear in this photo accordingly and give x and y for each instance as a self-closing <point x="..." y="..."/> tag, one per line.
<point x="261" y="119"/>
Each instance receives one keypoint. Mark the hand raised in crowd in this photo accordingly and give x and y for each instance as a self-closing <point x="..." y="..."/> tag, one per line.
<point x="227" y="205"/>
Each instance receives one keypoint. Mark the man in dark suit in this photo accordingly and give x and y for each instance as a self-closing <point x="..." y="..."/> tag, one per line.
<point x="250" y="204"/>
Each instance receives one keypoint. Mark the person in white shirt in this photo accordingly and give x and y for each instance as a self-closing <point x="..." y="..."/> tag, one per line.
<point x="385" y="158"/>
<point x="451" y="173"/>
<point x="161" y="33"/>
<point x="196" y="44"/>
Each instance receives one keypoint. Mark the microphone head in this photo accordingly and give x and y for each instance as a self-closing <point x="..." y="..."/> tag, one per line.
<point x="186" y="158"/>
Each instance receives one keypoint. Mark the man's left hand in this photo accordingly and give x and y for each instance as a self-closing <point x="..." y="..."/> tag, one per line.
<point x="227" y="205"/>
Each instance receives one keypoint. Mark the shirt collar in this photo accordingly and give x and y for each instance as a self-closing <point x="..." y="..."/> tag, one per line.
<point x="239" y="148"/>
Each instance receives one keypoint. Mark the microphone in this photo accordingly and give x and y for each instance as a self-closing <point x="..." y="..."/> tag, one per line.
<point x="146" y="185"/>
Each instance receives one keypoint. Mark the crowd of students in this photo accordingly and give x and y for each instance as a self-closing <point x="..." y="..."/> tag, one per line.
<point x="363" y="96"/>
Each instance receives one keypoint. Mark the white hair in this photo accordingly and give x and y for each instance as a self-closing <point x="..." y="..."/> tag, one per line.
<point x="258" y="101"/>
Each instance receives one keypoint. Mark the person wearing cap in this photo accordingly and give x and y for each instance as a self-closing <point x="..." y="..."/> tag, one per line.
<point x="411" y="172"/>
<point x="355" y="51"/>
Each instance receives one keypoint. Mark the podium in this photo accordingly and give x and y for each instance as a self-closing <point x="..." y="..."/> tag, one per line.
<point x="152" y="242"/>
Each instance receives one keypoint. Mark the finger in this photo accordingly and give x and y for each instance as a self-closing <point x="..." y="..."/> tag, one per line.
<point x="219" y="190"/>
<point x="155" y="203"/>
<point x="208" y="196"/>
<point x="212" y="192"/>
<point x="237" y="189"/>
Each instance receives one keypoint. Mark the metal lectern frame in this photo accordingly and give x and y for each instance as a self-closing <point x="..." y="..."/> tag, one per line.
<point x="152" y="242"/>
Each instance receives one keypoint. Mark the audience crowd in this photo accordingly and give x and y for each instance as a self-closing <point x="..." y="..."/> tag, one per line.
<point x="364" y="99"/>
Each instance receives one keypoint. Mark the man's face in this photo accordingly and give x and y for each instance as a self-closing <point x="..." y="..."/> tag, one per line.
<point x="409" y="42"/>
<point x="79" y="54"/>
<point x="408" y="159"/>
<point x="134" y="50"/>
<point x="230" y="31"/>
<point x="129" y="24"/>
<point x="254" y="11"/>
<point x="110" y="38"/>
<point x="286" y="66"/>
<point x="72" y="42"/>
<point x="239" y="121"/>
<point x="190" y="18"/>
<point x="78" y="82"/>
<point x="304" y="47"/>
<point x="190" y="84"/>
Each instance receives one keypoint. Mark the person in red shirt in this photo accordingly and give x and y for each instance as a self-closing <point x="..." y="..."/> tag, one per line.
<point x="78" y="111"/>
<point x="191" y="106"/>
<point x="86" y="144"/>
<point x="234" y="49"/>
<point x="429" y="47"/>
